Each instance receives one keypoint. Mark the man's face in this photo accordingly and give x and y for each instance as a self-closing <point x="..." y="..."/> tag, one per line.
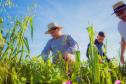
<point x="54" y="32"/>
<point x="122" y="14"/>
<point x="100" y="39"/>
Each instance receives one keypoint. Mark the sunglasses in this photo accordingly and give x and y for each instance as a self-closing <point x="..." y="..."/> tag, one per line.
<point x="52" y="29"/>
<point x="121" y="13"/>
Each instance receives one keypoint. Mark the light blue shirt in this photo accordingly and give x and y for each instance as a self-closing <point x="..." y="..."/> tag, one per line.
<point x="63" y="44"/>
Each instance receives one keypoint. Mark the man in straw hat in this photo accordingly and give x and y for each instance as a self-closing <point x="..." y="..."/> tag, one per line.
<point x="120" y="11"/>
<point x="59" y="43"/>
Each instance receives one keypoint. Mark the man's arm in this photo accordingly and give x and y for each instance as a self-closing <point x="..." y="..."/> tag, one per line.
<point x="123" y="47"/>
<point x="73" y="46"/>
<point x="46" y="51"/>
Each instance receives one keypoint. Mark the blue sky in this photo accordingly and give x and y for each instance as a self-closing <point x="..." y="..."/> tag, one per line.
<point x="74" y="16"/>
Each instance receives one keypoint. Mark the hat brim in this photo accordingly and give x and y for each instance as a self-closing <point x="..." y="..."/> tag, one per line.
<point x="47" y="32"/>
<point x="118" y="10"/>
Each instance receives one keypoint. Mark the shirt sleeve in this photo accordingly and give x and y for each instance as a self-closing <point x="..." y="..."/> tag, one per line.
<point x="73" y="45"/>
<point x="46" y="51"/>
<point x="121" y="31"/>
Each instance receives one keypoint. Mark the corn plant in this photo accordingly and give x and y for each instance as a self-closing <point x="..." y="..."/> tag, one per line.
<point x="93" y="58"/>
<point x="15" y="46"/>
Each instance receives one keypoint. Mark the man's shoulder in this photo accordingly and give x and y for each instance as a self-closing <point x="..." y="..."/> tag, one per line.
<point x="121" y="24"/>
<point x="50" y="40"/>
<point x="67" y="36"/>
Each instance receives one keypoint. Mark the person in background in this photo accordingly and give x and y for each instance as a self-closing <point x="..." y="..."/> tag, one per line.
<point x="59" y="42"/>
<point x="99" y="45"/>
<point x="120" y="11"/>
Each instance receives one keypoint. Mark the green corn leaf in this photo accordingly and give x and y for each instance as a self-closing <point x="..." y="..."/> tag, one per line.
<point x="31" y="26"/>
<point x="26" y="44"/>
<point x="1" y="20"/>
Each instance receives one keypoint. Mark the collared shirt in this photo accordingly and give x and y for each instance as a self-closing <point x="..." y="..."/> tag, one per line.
<point x="63" y="44"/>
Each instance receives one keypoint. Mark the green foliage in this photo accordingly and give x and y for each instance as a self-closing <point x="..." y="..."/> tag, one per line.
<point x="17" y="67"/>
<point x="102" y="73"/>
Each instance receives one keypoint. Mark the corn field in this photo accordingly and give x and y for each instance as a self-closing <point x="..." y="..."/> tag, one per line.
<point x="18" y="67"/>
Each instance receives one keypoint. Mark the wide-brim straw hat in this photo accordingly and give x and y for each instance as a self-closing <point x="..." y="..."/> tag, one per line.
<point x="118" y="6"/>
<point x="51" y="26"/>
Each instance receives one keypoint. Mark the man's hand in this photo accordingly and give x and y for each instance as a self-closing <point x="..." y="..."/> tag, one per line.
<point x="100" y="61"/>
<point x="68" y="57"/>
